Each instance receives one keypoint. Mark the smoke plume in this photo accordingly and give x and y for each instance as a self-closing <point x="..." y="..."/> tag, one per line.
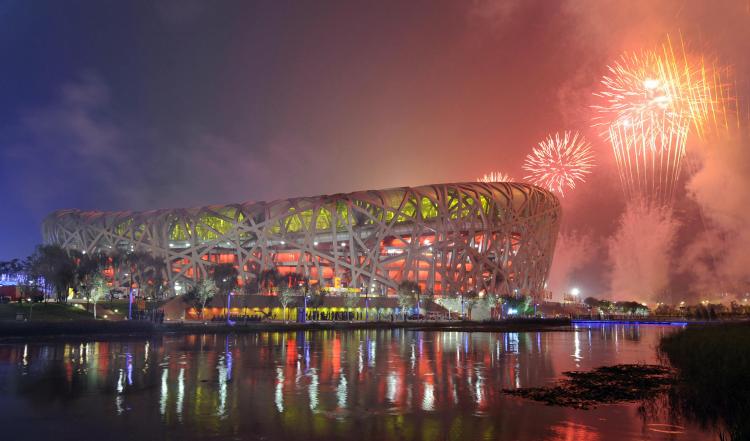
<point x="572" y="252"/>
<point x="719" y="259"/>
<point x="640" y="252"/>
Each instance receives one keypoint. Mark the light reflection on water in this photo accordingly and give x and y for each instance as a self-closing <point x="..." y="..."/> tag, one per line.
<point x="365" y="385"/>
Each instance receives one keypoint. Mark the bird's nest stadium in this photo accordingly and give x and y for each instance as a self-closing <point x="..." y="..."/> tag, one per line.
<point x="449" y="238"/>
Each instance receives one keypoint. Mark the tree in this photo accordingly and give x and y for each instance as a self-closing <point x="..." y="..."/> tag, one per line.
<point x="29" y="291"/>
<point x="118" y="259"/>
<point x="148" y="271"/>
<point x="251" y="286"/>
<point x="155" y="286"/>
<point x="631" y="308"/>
<point x="202" y="293"/>
<point x="591" y="302"/>
<point x="137" y="264"/>
<point x="11" y="269"/>
<point x="317" y="297"/>
<point x="53" y="264"/>
<point x="87" y="266"/>
<point x="493" y="301"/>
<point x="407" y="292"/>
<point x="294" y="280"/>
<point x="270" y="279"/>
<point x="425" y="298"/>
<point x="470" y="299"/>
<point x="351" y="299"/>
<point x="286" y="297"/>
<point x="97" y="290"/>
<point x="520" y="304"/>
<point x="224" y="276"/>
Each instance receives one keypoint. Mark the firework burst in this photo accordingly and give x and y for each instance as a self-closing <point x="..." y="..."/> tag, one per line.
<point x="651" y="101"/>
<point x="647" y="119"/>
<point x="665" y="87"/>
<point x="559" y="161"/>
<point x="495" y="177"/>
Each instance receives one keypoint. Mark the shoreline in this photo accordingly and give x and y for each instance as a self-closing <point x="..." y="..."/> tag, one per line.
<point x="11" y="332"/>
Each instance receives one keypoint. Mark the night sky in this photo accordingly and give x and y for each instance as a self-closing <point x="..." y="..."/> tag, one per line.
<point x="120" y="105"/>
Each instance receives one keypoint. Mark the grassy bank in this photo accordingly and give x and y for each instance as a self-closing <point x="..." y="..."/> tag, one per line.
<point x="11" y="330"/>
<point x="713" y="365"/>
<point x="47" y="312"/>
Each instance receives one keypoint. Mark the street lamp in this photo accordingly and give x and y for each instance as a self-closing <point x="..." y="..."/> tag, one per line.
<point x="304" y="302"/>
<point x="229" y="304"/>
<point x="367" y="301"/>
<point x="575" y="292"/>
<point x="130" y="302"/>
<point x="414" y="292"/>
<point x="462" y="305"/>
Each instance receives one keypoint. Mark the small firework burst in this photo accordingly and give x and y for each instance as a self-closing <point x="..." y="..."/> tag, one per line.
<point x="495" y="177"/>
<point x="559" y="161"/>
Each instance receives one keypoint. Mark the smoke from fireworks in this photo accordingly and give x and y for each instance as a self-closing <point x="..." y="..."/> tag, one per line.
<point x="651" y="101"/>
<point x="559" y="161"/>
<point x="572" y="252"/>
<point x="495" y="177"/>
<point x="640" y="252"/>
<point x="721" y="187"/>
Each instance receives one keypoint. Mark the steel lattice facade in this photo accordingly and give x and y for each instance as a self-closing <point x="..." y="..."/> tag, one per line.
<point x="497" y="237"/>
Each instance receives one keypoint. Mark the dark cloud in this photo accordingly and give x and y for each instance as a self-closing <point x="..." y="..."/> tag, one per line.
<point x="74" y="137"/>
<point x="181" y="12"/>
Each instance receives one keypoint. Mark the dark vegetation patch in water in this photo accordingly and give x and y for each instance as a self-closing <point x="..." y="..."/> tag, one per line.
<point x="603" y="385"/>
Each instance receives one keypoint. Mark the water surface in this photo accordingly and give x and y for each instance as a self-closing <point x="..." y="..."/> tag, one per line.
<point x="331" y="385"/>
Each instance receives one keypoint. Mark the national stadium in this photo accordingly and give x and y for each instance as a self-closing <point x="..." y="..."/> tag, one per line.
<point x="496" y="237"/>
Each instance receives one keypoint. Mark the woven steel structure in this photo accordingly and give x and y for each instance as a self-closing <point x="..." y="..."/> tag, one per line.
<point x="496" y="237"/>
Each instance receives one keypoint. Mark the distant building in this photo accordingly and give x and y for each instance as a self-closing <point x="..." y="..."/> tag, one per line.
<point x="493" y="237"/>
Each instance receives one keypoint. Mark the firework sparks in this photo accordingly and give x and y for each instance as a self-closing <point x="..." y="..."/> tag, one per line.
<point x="648" y="124"/>
<point x="559" y="161"/>
<point x="651" y="101"/>
<point x="495" y="177"/>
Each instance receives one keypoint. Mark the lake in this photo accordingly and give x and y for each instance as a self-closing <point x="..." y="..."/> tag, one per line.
<point x="324" y="385"/>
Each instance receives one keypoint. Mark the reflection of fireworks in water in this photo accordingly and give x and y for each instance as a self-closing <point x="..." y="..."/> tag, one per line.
<point x="495" y="177"/>
<point x="559" y="161"/>
<point x="651" y="101"/>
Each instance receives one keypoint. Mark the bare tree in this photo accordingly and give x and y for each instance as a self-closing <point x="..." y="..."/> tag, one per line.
<point x="470" y="299"/>
<point x="204" y="291"/>
<point x="97" y="290"/>
<point x="286" y="297"/>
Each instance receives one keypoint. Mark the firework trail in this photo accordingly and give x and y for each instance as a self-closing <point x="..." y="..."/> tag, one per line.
<point x="559" y="161"/>
<point x="651" y="101"/>
<point x="495" y="177"/>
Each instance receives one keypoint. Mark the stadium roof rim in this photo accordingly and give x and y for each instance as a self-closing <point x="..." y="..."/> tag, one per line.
<point x="524" y="191"/>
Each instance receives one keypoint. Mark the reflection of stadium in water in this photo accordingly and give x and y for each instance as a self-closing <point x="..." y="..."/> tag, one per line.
<point x="375" y="384"/>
